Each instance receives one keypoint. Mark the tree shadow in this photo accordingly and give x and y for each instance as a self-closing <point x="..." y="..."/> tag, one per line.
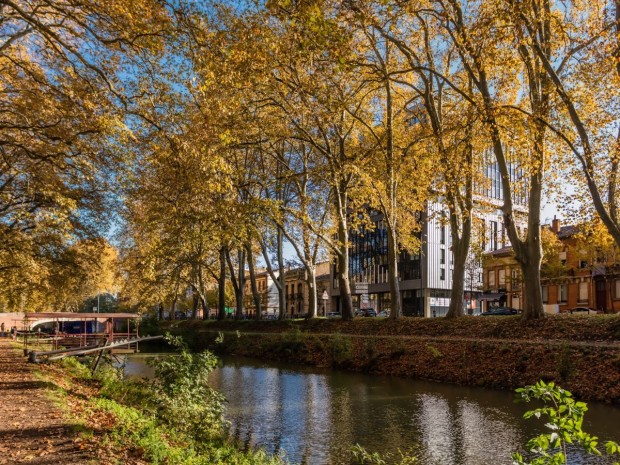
<point x="25" y="385"/>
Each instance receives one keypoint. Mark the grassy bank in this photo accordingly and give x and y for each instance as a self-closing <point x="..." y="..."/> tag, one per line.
<point x="134" y="422"/>
<point x="580" y="353"/>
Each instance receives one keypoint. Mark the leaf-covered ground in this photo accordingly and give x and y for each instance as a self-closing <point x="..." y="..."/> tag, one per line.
<point x="595" y="328"/>
<point x="32" y="429"/>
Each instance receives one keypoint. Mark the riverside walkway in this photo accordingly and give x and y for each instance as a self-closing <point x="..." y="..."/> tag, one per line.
<point x="32" y="429"/>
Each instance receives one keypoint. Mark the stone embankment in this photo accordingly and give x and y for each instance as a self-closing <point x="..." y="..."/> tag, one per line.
<point x="580" y="353"/>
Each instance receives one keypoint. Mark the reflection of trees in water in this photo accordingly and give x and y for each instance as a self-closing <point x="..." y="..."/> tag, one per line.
<point x="317" y="417"/>
<point x="371" y="412"/>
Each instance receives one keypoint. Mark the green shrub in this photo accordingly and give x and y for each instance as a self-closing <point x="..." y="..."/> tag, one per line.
<point x="370" y="348"/>
<point x="341" y="348"/>
<point x="565" y="363"/>
<point x="175" y="418"/>
<point x="564" y="419"/>
<point x="182" y="396"/>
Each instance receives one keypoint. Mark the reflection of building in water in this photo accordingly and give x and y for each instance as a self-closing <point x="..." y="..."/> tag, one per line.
<point x="436" y="428"/>
<point x="317" y="420"/>
<point x="486" y="437"/>
<point x="460" y="432"/>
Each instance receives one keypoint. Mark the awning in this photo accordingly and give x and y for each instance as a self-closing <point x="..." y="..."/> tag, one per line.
<point x="493" y="297"/>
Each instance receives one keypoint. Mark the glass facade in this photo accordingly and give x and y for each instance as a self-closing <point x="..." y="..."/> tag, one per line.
<point x="492" y="188"/>
<point x="368" y="260"/>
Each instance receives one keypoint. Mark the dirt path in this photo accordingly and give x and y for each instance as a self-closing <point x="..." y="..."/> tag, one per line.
<point x="32" y="429"/>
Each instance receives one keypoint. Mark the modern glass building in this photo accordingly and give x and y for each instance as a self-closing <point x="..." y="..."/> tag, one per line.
<point x="426" y="277"/>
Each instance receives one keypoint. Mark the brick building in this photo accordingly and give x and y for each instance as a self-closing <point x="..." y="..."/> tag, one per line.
<point x="578" y="274"/>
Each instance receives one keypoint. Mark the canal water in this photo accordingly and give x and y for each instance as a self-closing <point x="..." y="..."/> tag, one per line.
<point x="312" y="416"/>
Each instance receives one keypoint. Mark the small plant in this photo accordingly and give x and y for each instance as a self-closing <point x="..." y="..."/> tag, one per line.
<point x="565" y="363"/>
<point x="292" y="343"/>
<point x="434" y="350"/>
<point x="564" y="418"/>
<point x="370" y="348"/>
<point x="361" y="456"/>
<point x="220" y="338"/>
<point x="341" y="348"/>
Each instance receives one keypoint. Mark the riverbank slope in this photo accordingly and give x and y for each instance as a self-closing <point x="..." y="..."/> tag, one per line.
<point x="580" y="353"/>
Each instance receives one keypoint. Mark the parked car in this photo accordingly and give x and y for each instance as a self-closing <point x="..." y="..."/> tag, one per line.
<point x="270" y="316"/>
<point x="584" y="310"/>
<point x="383" y="314"/>
<point x="334" y="315"/>
<point x="179" y="315"/>
<point x="499" y="311"/>
<point x="366" y="312"/>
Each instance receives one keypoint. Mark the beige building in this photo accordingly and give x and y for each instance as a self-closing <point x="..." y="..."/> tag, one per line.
<point x="296" y="291"/>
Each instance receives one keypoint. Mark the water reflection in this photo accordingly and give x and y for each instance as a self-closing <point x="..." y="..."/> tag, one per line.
<point x="313" y="417"/>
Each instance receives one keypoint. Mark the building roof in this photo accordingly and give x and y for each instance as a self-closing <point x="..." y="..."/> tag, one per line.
<point x="568" y="231"/>
<point x="80" y="316"/>
<point x="504" y="251"/>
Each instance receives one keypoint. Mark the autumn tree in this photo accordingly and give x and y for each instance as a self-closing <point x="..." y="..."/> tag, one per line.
<point x="488" y="56"/>
<point x="583" y="71"/>
<point x="445" y="120"/>
<point x="65" y="94"/>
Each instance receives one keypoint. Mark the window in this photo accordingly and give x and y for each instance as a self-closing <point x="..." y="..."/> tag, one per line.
<point x="617" y="289"/>
<point x="564" y="293"/>
<point x="501" y="278"/>
<point x="442" y="234"/>
<point x="583" y="292"/>
<point x="545" y="294"/>
<point x="583" y="263"/>
<point x="493" y="235"/>
<point x="491" y="278"/>
<point x="442" y="274"/>
<point x="515" y="280"/>
<point x="442" y="256"/>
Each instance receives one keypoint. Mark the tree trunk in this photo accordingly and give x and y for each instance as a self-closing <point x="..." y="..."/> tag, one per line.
<point x="532" y="293"/>
<point x="221" y="287"/>
<point x="173" y="307"/>
<point x="205" y="308"/>
<point x="312" y="292"/>
<point x="195" y="302"/>
<point x="342" y="267"/>
<point x="281" y="276"/>
<point x="396" y="307"/>
<point x="255" y="293"/>
<point x="530" y="258"/>
<point x="161" y="311"/>
<point x="460" y="250"/>
<point x="240" y="291"/>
